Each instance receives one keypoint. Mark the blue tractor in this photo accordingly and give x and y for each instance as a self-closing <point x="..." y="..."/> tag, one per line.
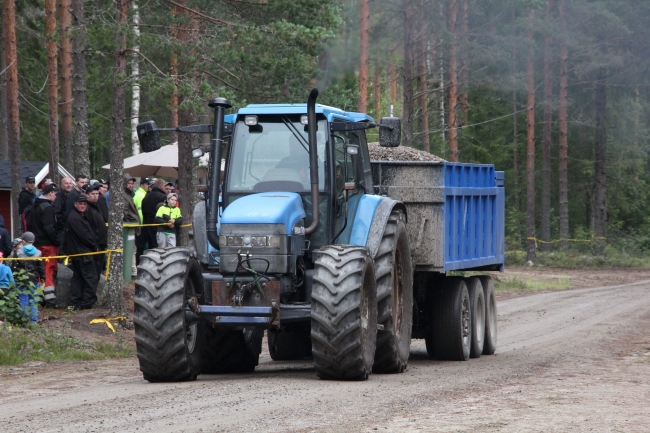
<point x="302" y="236"/>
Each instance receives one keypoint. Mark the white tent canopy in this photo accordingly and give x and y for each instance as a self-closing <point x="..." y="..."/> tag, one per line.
<point x="161" y="162"/>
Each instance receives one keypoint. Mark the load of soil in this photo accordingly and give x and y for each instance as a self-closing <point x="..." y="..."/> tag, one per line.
<point x="400" y="153"/>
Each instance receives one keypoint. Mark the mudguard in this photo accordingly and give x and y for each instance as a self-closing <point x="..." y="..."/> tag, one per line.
<point x="370" y="221"/>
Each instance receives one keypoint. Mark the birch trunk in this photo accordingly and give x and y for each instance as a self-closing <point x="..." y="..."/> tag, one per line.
<point x="135" y="82"/>
<point x="452" y="16"/>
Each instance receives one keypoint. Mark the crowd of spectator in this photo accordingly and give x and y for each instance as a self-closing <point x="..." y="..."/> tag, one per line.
<point x="72" y="220"/>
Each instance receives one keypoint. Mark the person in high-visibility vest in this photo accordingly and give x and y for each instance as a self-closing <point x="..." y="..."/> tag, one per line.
<point x="140" y="239"/>
<point x="170" y="215"/>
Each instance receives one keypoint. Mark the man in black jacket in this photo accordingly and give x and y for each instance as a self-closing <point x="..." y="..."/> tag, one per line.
<point x="80" y="238"/>
<point x="6" y="245"/>
<point x="48" y="238"/>
<point x="80" y="181"/>
<point x="149" y="207"/>
<point x="98" y="222"/>
<point x="26" y="196"/>
<point x="60" y="202"/>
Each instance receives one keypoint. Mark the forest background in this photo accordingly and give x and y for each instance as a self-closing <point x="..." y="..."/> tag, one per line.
<point x="553" y="92"/>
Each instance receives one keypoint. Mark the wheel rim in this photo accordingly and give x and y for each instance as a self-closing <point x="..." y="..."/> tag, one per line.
<point x="491" y="316"/>
<point x="191" y="331"/>
<point x="480" y="321"/>
<point x="465" y="321"/>
<point x="191" y="337"/>
<point x="365" y="313"/>
<point x="398" y="299"/>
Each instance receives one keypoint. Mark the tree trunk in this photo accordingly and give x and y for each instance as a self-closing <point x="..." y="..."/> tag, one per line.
<point x="114" y="290"/>
<point x="186" y="184"/>
<point x="600" y="163"/>
<point x="392" y="77"/>
<point x="407" y="75"/>
<point x="13" y="108"/>
<point x="4" y="115"/>
<point x="564" y="129"/>
<point x="452" y="16"/>
<point x="422" y="82"/>
<point x="173" y="100"/>
<point x="530" y="144"/>
<point x="80" y="103"/>
<point x="377" y="92"/>
<point x="515" y="144"/>
<point x="135" y="82"/>
<point x="464" y="62"/>
<point x="52" y="87"/>
<point x="363" y="56"/>
<point x="65" y="19"/>
<point x="545" y="229"/>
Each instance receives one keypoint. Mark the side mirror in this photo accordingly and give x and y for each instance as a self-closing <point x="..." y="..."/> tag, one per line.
<point x="149" y="136"/>
<point x="390" y="131"/>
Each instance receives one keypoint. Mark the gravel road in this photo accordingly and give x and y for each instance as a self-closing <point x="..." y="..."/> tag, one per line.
<point x="576" y="360"/>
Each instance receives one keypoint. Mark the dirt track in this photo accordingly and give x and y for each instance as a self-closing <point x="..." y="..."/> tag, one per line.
<point x="576" y="360"/>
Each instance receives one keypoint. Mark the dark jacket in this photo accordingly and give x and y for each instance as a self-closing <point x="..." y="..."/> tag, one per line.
<point x="103" y="207"/>
<point x="130" y="212"/>
<point x="5" y="239"/>
<point x="60" y="204"/>
<point x="35" y="268"/>
<point x="80" y="236"/>
<point x="98" y="223"/>
<point x="45" y="224"/>
<point x="69" y="204"/>
<point x="150" y="204"/>
<point x="25" y="198"/>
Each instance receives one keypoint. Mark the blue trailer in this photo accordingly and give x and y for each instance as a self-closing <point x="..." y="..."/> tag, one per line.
<point x="340" y="258"/>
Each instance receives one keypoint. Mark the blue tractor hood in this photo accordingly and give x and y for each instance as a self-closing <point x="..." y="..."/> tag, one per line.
<point x="266" y="208"/>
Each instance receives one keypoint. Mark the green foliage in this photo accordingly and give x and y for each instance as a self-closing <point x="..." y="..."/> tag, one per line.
<point x="10" y="309"/>
<point x="32" y="343"/>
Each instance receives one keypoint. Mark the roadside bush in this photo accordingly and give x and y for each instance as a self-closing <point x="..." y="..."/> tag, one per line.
<point x="11" y="309"/>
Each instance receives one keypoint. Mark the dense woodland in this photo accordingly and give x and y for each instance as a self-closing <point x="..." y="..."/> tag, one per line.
<point x="554" y="92"/>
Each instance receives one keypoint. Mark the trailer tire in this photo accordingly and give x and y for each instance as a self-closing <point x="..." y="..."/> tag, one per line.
<point x="343" y="313"/>
<point x="289" y="345"/>
<point x="227" y="351"/>
<point x="394" y="273"/>
<point x="477" y="303"/>
<point x="450" y="335"/>
<point x="490" y="345"/>
<point x="168" y="349"/>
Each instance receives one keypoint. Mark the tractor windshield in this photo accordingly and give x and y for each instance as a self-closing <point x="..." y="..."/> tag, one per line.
<point x="273" y="156"/>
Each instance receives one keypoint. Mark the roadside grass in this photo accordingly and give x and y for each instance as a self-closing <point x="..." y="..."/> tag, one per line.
<point x="33" y="343"/>
<point x="610" y="258"/>
<point x="516" y="285"/>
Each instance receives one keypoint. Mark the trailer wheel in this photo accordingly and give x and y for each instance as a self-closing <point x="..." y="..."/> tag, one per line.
<point x="227" y="351"/>
<point x="451" y="333"/>
<point x="168" y="348"/>
<point x="394" y="273"/>
<point x="477" y="303"/>
<point x="289" y="345"/>
<point x="490" y="345"/>
<point x="343" y="313"/>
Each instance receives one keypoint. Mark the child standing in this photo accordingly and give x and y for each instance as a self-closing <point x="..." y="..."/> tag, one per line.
<point x="6" y="276"/>
<point x="170" y="215"/>
<point x="35" y="270"/>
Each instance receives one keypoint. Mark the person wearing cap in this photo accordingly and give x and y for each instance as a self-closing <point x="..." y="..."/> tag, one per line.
<point x="104" y="190"/>
<point x="80" y="238"/>
<point x="80" y="181"/>
<point x="169" y="188"/>
<point x="140" y="239"/>
<point x="48" y="239"/>
<point x="5" y="239"/>
<point x="27" y="194"/>
<point x="149" y="208"/>
<point x="35" y="270"/>
<point x="170" y="216"/>
<point x="98" y="219"/>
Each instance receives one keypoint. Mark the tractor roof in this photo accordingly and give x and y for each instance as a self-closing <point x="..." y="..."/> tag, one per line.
<point x="330" y="113"/>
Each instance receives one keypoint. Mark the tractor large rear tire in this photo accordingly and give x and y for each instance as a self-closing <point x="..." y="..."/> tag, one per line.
<point x="168" y="348"/>
<point x="451" y="331"/>
<point x="226" y="351"/>
<point x="490" y="345"/>
<point x="290" y="344"/>
<point x="394" y="273"/>
<point x="343" y="313"/>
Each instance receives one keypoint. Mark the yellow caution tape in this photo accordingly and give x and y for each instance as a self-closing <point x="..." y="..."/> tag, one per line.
<point x="108" y="321"/>
<point x="565" y="240"/>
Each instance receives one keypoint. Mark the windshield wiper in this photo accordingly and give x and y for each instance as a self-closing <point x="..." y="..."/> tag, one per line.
<point x="295" y="133"/>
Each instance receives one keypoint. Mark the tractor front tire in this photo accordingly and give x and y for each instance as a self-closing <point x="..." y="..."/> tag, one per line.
<point x="168" y="348"/>
<point x="394" y="273"/>
<point x="343" y="313"/>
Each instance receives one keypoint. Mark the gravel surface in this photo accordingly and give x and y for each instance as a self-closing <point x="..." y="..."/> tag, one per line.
<point x="400" y="153"/>
<point x="576" y="360"/>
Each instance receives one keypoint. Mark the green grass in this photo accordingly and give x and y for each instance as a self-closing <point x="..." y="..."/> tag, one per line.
<point x="518" y="285"/>
<point x="610" y="258"/>
<point x="31" y="343"/>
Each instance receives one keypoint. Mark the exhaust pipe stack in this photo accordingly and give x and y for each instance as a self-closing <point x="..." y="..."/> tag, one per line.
<point x="220" y="105"/>
<point x="313" y="161"/>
